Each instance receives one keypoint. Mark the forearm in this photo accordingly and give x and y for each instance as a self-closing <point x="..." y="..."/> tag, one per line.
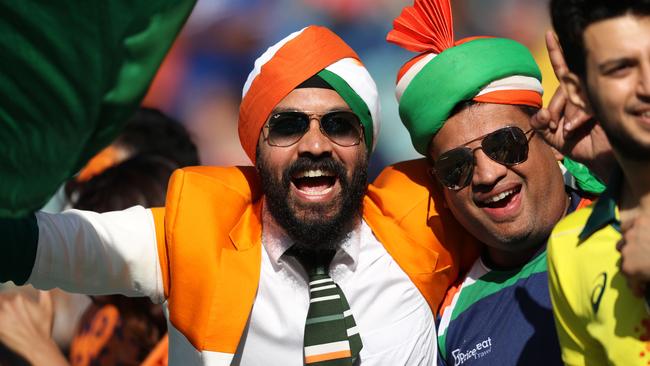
<point x="97" y="254"/>
<point x="17" y="248"/>
<point x="44" y="352"/>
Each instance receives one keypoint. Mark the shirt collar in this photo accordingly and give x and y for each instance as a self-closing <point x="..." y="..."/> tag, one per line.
<point x="277" y="242"/>
<point x="604" y="212"/>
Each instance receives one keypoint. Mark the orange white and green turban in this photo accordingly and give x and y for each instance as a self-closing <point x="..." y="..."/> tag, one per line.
<point x="311" y="51"/>
<point x="483" y="69"/>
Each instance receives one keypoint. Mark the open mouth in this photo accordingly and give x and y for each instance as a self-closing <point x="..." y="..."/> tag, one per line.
<point x="500" y="200"/>
<point x="314" y="182"/>
<point x="643" y="116"/>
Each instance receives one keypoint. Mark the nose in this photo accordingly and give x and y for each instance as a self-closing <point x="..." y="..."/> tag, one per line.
<point x="643" y="87"/>
<point x="487" y="172"/>
<point x="314" y="142"/>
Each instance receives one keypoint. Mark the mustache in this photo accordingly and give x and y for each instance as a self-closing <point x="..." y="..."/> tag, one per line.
<point x="308" y="163"/>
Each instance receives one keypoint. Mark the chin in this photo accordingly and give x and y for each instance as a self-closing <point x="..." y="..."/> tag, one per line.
<point x="315" y="212"/>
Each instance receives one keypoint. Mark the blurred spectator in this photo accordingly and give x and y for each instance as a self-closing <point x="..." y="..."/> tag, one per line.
<point x="114" y="330"/>
<point x="148" y="132"/>
<point x="117" y="330"/>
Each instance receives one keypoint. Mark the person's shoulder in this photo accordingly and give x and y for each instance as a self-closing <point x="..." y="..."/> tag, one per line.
<point x="565" y="249"/>
<point x="401" y="187"/>
<point x="240" y="180"/>
<point x="410" y="172"/>
<point x="570" y="227"/>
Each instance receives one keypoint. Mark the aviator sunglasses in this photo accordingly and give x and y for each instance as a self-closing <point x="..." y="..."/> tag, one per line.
<point x="286" y="128"/>
<point x="508" y="146"/>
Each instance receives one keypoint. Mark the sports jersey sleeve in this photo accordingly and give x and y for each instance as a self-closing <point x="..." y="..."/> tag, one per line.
<point x="92" y="253"/>
<point x="577" y="346"/>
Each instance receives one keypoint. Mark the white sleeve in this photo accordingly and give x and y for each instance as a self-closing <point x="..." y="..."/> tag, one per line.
<point x="98" y="254"/>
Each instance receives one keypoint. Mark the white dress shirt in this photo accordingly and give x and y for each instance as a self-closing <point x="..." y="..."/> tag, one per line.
<point x="116" y="252"/>
<point x="394" y="320"/>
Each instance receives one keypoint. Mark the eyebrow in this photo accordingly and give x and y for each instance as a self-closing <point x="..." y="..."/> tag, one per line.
<point x="608" y="64"/>
<point x="288" y="109"/>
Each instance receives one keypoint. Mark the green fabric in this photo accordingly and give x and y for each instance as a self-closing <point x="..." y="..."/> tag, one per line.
<point x="585" y="179"/>
<point x="17" y="248"/>
<point x="455" y="75"/>
<point x="354" y="101"/>
<point x="494" y="281"/>
<point x="72" y="73"/>
<point x="604" y="212"/>
<point x="326" y="321"/>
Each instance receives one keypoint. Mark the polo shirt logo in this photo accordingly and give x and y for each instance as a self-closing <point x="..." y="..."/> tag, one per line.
<point x="598" y="291"/>
<point x="479" y="350"/>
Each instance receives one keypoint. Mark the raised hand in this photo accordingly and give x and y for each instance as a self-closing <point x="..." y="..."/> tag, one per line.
<point x="569" y="128"/>
<point x="26" y="326"/>
<point x="635" y="251"/>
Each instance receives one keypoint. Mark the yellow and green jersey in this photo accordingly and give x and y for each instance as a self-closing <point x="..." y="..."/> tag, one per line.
<point x="598" y="319"/>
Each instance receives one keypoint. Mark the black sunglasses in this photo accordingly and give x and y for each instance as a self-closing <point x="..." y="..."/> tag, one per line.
<point x="508" y="146"/>
<point x="286" y="128"/>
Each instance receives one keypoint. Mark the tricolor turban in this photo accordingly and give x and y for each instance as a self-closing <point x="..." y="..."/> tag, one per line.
<point x="483" y="69"/>
<point x="311" y="51"/>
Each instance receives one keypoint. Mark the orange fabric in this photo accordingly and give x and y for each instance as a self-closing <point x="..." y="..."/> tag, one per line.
<point x="465" y="40"/>
<point x="586" y="201"/>
<point x="213" y="230"/>
<point x="427" y="26"/>
<point x="213" y="272"/>
<point x="328" y="356"/>
<point x="408" y="195"/>
<point x="87" y="345"/>
<point x="449" y="296"/>
<point x="517" y="97"/>
<point x="299" y="59"/>
<point x="159" y="223"/>
<point x="159" y="355"/>
<point x="100" y="162"/>
<point x="407" y="66"/>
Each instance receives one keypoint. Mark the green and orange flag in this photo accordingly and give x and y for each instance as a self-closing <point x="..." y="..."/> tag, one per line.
<point x="71" y="73"/>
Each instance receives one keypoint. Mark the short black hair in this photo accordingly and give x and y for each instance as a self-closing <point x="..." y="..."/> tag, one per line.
<point x="150" y="131"/>
<point x="140" y="180"/>
<point x="571" y="18"/>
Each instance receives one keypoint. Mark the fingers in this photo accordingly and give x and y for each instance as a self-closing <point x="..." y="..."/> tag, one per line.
<point x="575" y="118"/>
<point x="557" y="108"/>
<point x="45" y="300"/>
<point x="635" y="254"/>
<point x="540" y="120"/>
<point x="46" y="304"/>
<point x="556" y="55"/>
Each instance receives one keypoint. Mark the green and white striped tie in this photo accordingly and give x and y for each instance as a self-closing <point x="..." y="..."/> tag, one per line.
<point x="331" y="334"/>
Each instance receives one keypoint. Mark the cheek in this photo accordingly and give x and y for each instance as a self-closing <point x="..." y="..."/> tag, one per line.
<point x="353" y="159"/>
<point x="458" y="202"/>
<point x="609" y="95"/>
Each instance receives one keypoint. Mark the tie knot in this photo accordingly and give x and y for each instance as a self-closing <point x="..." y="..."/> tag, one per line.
<point x="315" y="263"/>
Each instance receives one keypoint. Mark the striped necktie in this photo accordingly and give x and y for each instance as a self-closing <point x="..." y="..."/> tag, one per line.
<point x="331" y="335"/>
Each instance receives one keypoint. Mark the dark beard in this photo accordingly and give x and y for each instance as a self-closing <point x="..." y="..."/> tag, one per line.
<point x="326" y="227"/>
<point x="620" y="140"/>
<point x="625" y="145"/>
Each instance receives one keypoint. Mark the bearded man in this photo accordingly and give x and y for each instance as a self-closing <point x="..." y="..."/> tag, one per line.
<point x="308" y="271"/>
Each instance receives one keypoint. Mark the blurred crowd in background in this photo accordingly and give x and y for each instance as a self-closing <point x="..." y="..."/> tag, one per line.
<point x="201" y="80"/>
